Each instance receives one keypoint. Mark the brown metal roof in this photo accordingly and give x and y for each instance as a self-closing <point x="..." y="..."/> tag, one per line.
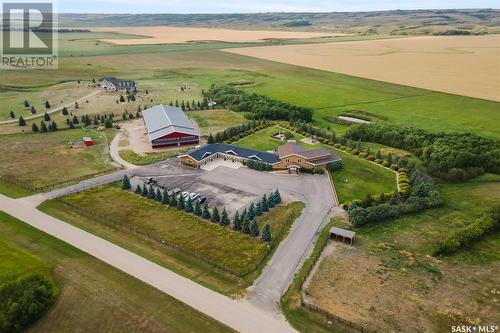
<point x="289" y="149"/>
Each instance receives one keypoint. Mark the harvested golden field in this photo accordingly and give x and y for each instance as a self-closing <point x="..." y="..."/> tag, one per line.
<point x="462" y="65"/>
<point x="169" y="35"/>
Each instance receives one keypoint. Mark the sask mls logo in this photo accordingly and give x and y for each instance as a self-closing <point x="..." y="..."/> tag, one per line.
<point x="29" y="35"/>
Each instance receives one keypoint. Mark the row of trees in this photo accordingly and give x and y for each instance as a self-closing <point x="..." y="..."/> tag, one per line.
<point x="245" y="222"/>
<point x="450" y="156"/>
<point x="193" y="105"/>
<point x="234" y="133"/>
<point x="422" y="195"/>
<point x="260" y="107"/>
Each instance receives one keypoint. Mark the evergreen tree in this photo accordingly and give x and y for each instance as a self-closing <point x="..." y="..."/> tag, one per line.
<point x="197" y="208"/>
<point x="215" y="215"/>
<point x="65" y="111"/>
<point x="53" y="126"/>
<point x="258" y="209"/>
<point x="138" y="189"/>
<point x="145" y="191"/>
<point x="71" y="125"/>
<point x="251" y="212"/>
<point x="172" y="201"/>
<point x="210" y="139"/>
<point x="164" y="198"/>
<point x="277" y="197"/>
<point x="180" y="203"/>
<point x="22" y="122"/>
<point x="26" y="103"/>
<point x="206" y="213"/>
<point x="389" y="158"/>
<point x="270" y="201"/>
<point x="254" y="228"/>
<point x="75" y="120"/>
<point x="34" y="127"/>
<point x="237" y="221"/>
<point x="245" y="226"/>
<point x="47" y="105"/>
<point x="159" y="196"/>
<point x="266" y="233"/>
<point x="43" y="126"/>
<point x="108" y="123"/>
<point x="189" y="206"/>
<point x="126" y="183"/>
<point x="176" y="103"/>
<point x="33" y="110"/>
<point x="224" y="219"/>
<point x="151" y="193"/>
<point x="183" y="106"/>
<point x="378" y="155"/>
<point x="122" y="99"/>
<point x="265" y="203"/>
<point x="76" y="105"/>
<point x="12" y="114"/>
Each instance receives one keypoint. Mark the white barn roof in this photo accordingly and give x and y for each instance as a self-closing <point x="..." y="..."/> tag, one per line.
<point x="162" y="120"/>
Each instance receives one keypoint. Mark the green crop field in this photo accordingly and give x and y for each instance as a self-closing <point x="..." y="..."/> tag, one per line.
<point x="34" y="161"/>
<point x="93" y="295"/>
<point x="102" y="211"/>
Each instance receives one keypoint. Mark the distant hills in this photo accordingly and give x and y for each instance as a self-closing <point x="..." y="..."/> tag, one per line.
<point x="397" y="22"/>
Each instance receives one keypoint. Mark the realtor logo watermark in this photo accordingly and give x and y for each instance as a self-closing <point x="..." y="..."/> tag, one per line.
<point x="28" y="35"/>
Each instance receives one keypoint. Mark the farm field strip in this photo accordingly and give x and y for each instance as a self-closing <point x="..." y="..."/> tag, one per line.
<point x="434" y="61"/>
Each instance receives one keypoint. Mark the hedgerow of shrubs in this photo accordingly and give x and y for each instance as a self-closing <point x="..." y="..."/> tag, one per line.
<point x="258" y="165"/>
<point x="468" y="234"/>
<point x="24" y="300"/>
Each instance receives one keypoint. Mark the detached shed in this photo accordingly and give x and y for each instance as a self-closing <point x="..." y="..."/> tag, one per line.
<point x="344" y="233"/>
<point x="88" y="141"/>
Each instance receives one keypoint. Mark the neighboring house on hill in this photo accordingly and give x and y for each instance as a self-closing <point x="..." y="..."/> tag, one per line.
<point x="118" y="85"/>
<point x="290" y="156"/>
<point x="169" y="126"/>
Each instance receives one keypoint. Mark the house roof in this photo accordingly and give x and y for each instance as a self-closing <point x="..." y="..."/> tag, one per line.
<point x="119" y="82"/>
<point x="162" y="120"/>
<point x="207" y="150"/>
<point x="315" y="156"/>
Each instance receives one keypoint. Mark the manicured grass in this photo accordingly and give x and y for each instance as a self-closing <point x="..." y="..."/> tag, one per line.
<point x="358" y="178"/>
<point x="45" y="159"/>
<point x="140" y="225"/>
<point x="263" y="140"/>
<point x="96" y="296"/>
<point x="148" y="158"/>
<point x="213" y="121"/>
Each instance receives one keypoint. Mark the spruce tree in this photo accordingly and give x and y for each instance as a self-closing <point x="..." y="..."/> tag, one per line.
<point x="65" y="111"/>
<point x="258" y="209"/>
<point x="189" y="206"/>
<point x="47" y="105"/>
<point x="224" y="219"/>
<point x="210" y="139"/>
<point x="12" y="114"/>
<point x="265" y="203"/>
<point x="254" y="228"/>
<point x="151" y="193"/>
<point x="34" y="127"/>
<point x="75" y="120"/>
<point x="378" y="155"/>
<point x="206" y="213"/>
<point x="122" y="99"/>
<point x="126" y="183"/>
<point x="53" y="126"/>
<point x="71" y="125"/>
<point x="277" y="197"/>
<point x="180" y="203"/>
<point x="138" y="189"/>
<point x="26" y="103"/>
<point x="237" y="221"/>
<point x="43" y="126"/>
<point x="145" y="191"/>
<point x="22" y="122"/>
<point x="251" y="212"/>
<point x="172" y="201"/>
<point x="159" y="196"/>
<point x="266" y="233"/>
<point x="33" y="110"/>
<point x="270" y="201"/>
<point x="245" y="226"/>
<point x="215" y="215"/>
<point x="197" y="208"/>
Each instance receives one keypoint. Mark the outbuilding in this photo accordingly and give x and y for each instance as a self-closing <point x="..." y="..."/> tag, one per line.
<point x="87" y="141"/>
<point x="169" y="126"/>
<point x="336" y="232"/>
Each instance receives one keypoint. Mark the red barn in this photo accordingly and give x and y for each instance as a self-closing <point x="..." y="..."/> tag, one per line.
<point x="169" y="126"/>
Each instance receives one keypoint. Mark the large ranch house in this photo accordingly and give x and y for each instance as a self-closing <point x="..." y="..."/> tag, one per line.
<point x="118" y="85"/>
<point x="289" y="156"/>
<point x="168" y="126"/>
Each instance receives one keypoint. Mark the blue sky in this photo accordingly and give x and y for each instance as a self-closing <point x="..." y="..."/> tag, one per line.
<point x="254" y="6"/>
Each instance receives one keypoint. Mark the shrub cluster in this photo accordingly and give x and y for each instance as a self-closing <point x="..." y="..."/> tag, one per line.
<point x="450" y="156"/>
<point x="468" y="234"/>
<point x="24" y="300"/>
<point x="260" y="107"/>
<point x="258" y="165"/>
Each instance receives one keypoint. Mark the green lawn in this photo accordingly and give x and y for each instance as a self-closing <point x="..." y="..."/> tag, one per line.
<point x="213" y="121"/>
<point x="140" y="225"/>
<point x="263" y="140"/>
<point x="94" y="295"/>
<point x="37" y="160"/>
<point x="148" y="158"/>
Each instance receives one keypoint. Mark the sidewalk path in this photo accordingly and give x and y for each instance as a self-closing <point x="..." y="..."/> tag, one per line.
<point x="239" y="315"/>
